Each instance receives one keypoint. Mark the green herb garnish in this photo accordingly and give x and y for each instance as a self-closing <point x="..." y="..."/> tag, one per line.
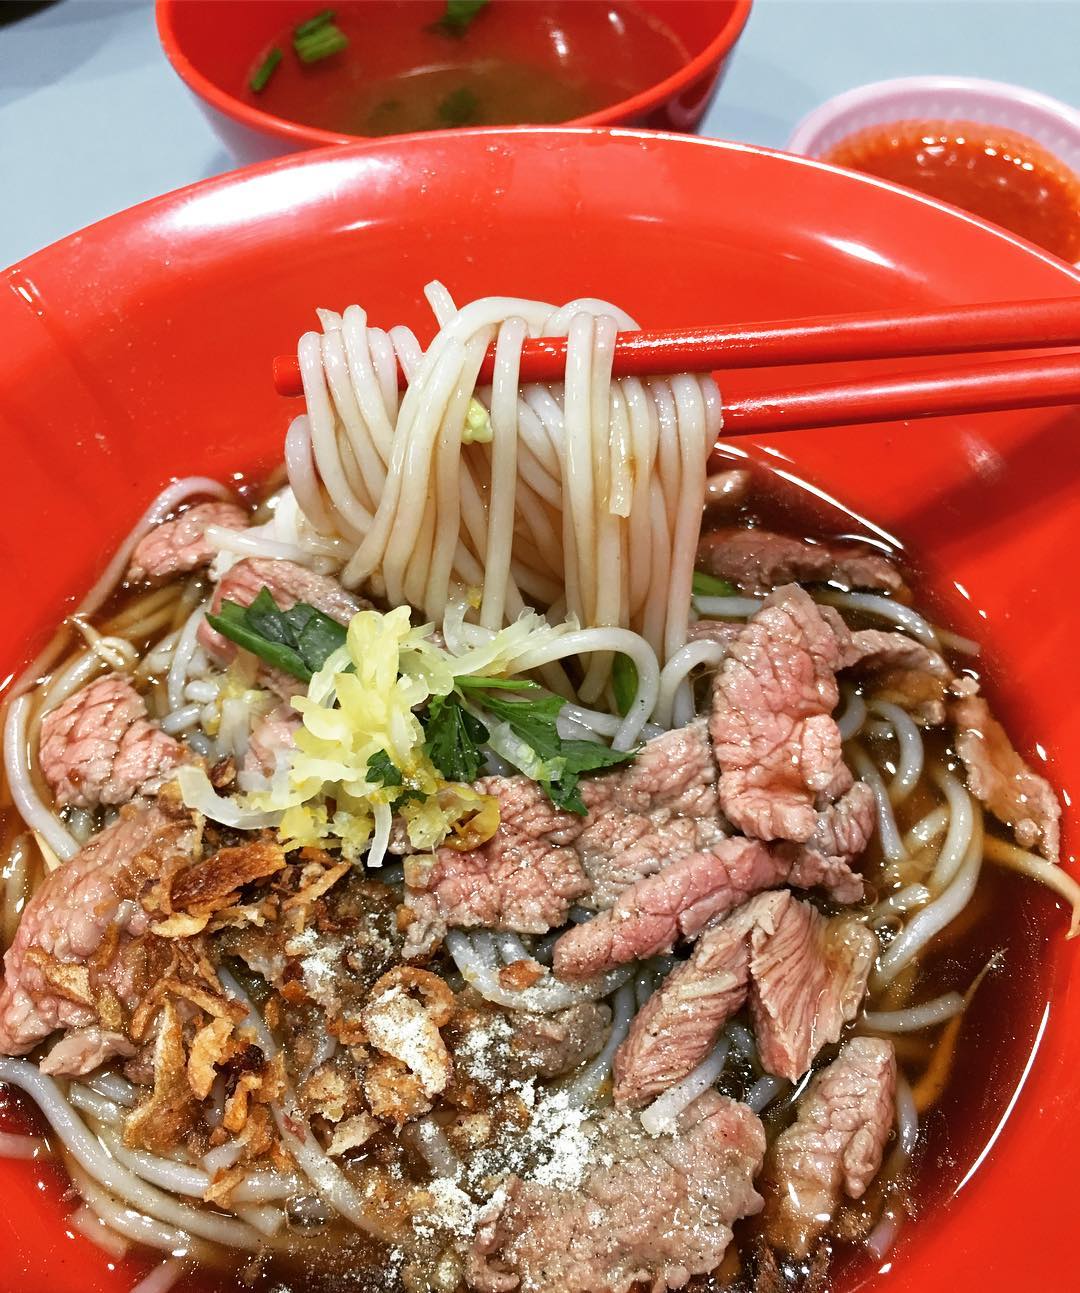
<point x="624" y="682"/>
<point x="459" y="108"/>
<point x="533" y="723"/>
<point x="704" y="585"/>
<point x="458" y="16"/>
<point x="454" y="737"/>
<point x="265" y="70"/>
<point x="382" y="770"/>
<point x="313" y="24"/>
<point x="299" y="640"/>
<point x="319" y="38"/>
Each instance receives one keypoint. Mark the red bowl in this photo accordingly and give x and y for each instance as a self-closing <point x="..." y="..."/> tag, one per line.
<point x="140" y="349"/>
<point x="213" y="45"/>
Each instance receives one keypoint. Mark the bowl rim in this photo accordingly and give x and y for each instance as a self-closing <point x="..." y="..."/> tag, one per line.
<point x="300" y="135"/>
<point x="241" y="174"/>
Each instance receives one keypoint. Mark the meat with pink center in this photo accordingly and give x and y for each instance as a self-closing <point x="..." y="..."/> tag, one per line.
<point x="649" y="1211"/>
<point x="835" y="1145"/>
<point x="1000" y="778"/>
<point x="99" y="746"/>
<point x="180" y="545"/>
<point x="803" y="976"/>
<point x="756" y="561"/>
<point x="775" y="740"/>
<point x="69" y="917"/>
<point x="288" y="583"/>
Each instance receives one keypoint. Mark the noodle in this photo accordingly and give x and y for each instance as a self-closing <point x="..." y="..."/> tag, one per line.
<point x="405" y="488"/>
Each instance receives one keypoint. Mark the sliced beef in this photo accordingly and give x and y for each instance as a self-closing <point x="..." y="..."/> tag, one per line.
<point x="1000" y="778"/>
<point x="835" y="1144"/>
<point x="757" y="561"/>
<point x="522" y="879"/>
<point x="842" y="833"/>
<point x="99" y="746"/>
<point x="678" y="902"/>
<point x="288" y="583"/>
<point x="879" y="649"/>
<point x="776" y="743"/>
<point x="807" y="979"/>
<point x="649" y="1211"/>
<point x="548" y="1046"/>
<point x="55" y="973"/>
<point x="178" y="546"/>
<point x="804" y="977"/>
<point x="679" y="1024"/>
<point x="657" y="809"/>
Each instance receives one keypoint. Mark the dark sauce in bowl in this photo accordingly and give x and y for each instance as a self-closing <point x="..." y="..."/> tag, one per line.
<point x="517" y="62"/>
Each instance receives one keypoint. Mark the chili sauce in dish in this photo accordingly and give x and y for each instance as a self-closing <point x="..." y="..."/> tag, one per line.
<point x="995" y="173"/>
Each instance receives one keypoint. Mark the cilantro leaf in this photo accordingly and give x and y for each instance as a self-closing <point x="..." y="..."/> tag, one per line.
<point x="298" y="640"/>
<point x="383" y="770"/>
<point x="534" y="723"/>
<point x="454" y="737"/>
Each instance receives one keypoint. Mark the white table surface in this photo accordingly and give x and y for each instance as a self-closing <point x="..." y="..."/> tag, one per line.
<point x="92" y="118"/>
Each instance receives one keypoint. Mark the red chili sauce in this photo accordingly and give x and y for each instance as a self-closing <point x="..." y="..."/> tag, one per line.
<point x="994" y="173"/>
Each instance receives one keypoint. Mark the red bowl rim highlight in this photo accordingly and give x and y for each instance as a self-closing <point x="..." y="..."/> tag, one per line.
<point x="299" y="135"/>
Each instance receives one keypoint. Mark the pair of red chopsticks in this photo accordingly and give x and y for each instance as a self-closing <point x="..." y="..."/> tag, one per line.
<point x="764" y="405"/>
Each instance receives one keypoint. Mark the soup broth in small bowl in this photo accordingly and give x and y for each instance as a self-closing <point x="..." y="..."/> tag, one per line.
<point x="277" y="77"/>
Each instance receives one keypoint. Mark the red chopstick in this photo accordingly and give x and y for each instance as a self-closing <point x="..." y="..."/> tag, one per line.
<point x="1042" y="381"/>
<point x="1002" y="325"/>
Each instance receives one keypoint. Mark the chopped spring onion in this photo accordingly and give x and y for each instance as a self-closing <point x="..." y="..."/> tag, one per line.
<point x="313" y="24"/>
<point x="265" y="70"/>
<point x="319" y="38"/>
<point x="459" y="14"/>
<point x="704" y="585"/>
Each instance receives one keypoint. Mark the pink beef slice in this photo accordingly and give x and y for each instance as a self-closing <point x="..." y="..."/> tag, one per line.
<point x="842" y="833"/>
<point x="178" y="546"/>
<point x="807" y="980"/>
<point x="999" y="778"/>
<point x="658" y="809"/>
<point x="68" y="918"/>
<point x="288" y="583"/>
<point x="803" y="975"/>
<point x="678" y="902"/>
<point x="835" y="1144"/>
<point x="776" y="743"/>
<point x="642" y="1211"/>
<point x="756" y="561"/>
<point x="524" y="878"/>
<point x="679" y="1024"/>
<point x="655" y="810"/>
<point x="99" y="746"/>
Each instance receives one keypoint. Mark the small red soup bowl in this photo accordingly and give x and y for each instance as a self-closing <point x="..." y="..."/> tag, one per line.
<point x="672" y="55"/>
<point x="140" y="349"/>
